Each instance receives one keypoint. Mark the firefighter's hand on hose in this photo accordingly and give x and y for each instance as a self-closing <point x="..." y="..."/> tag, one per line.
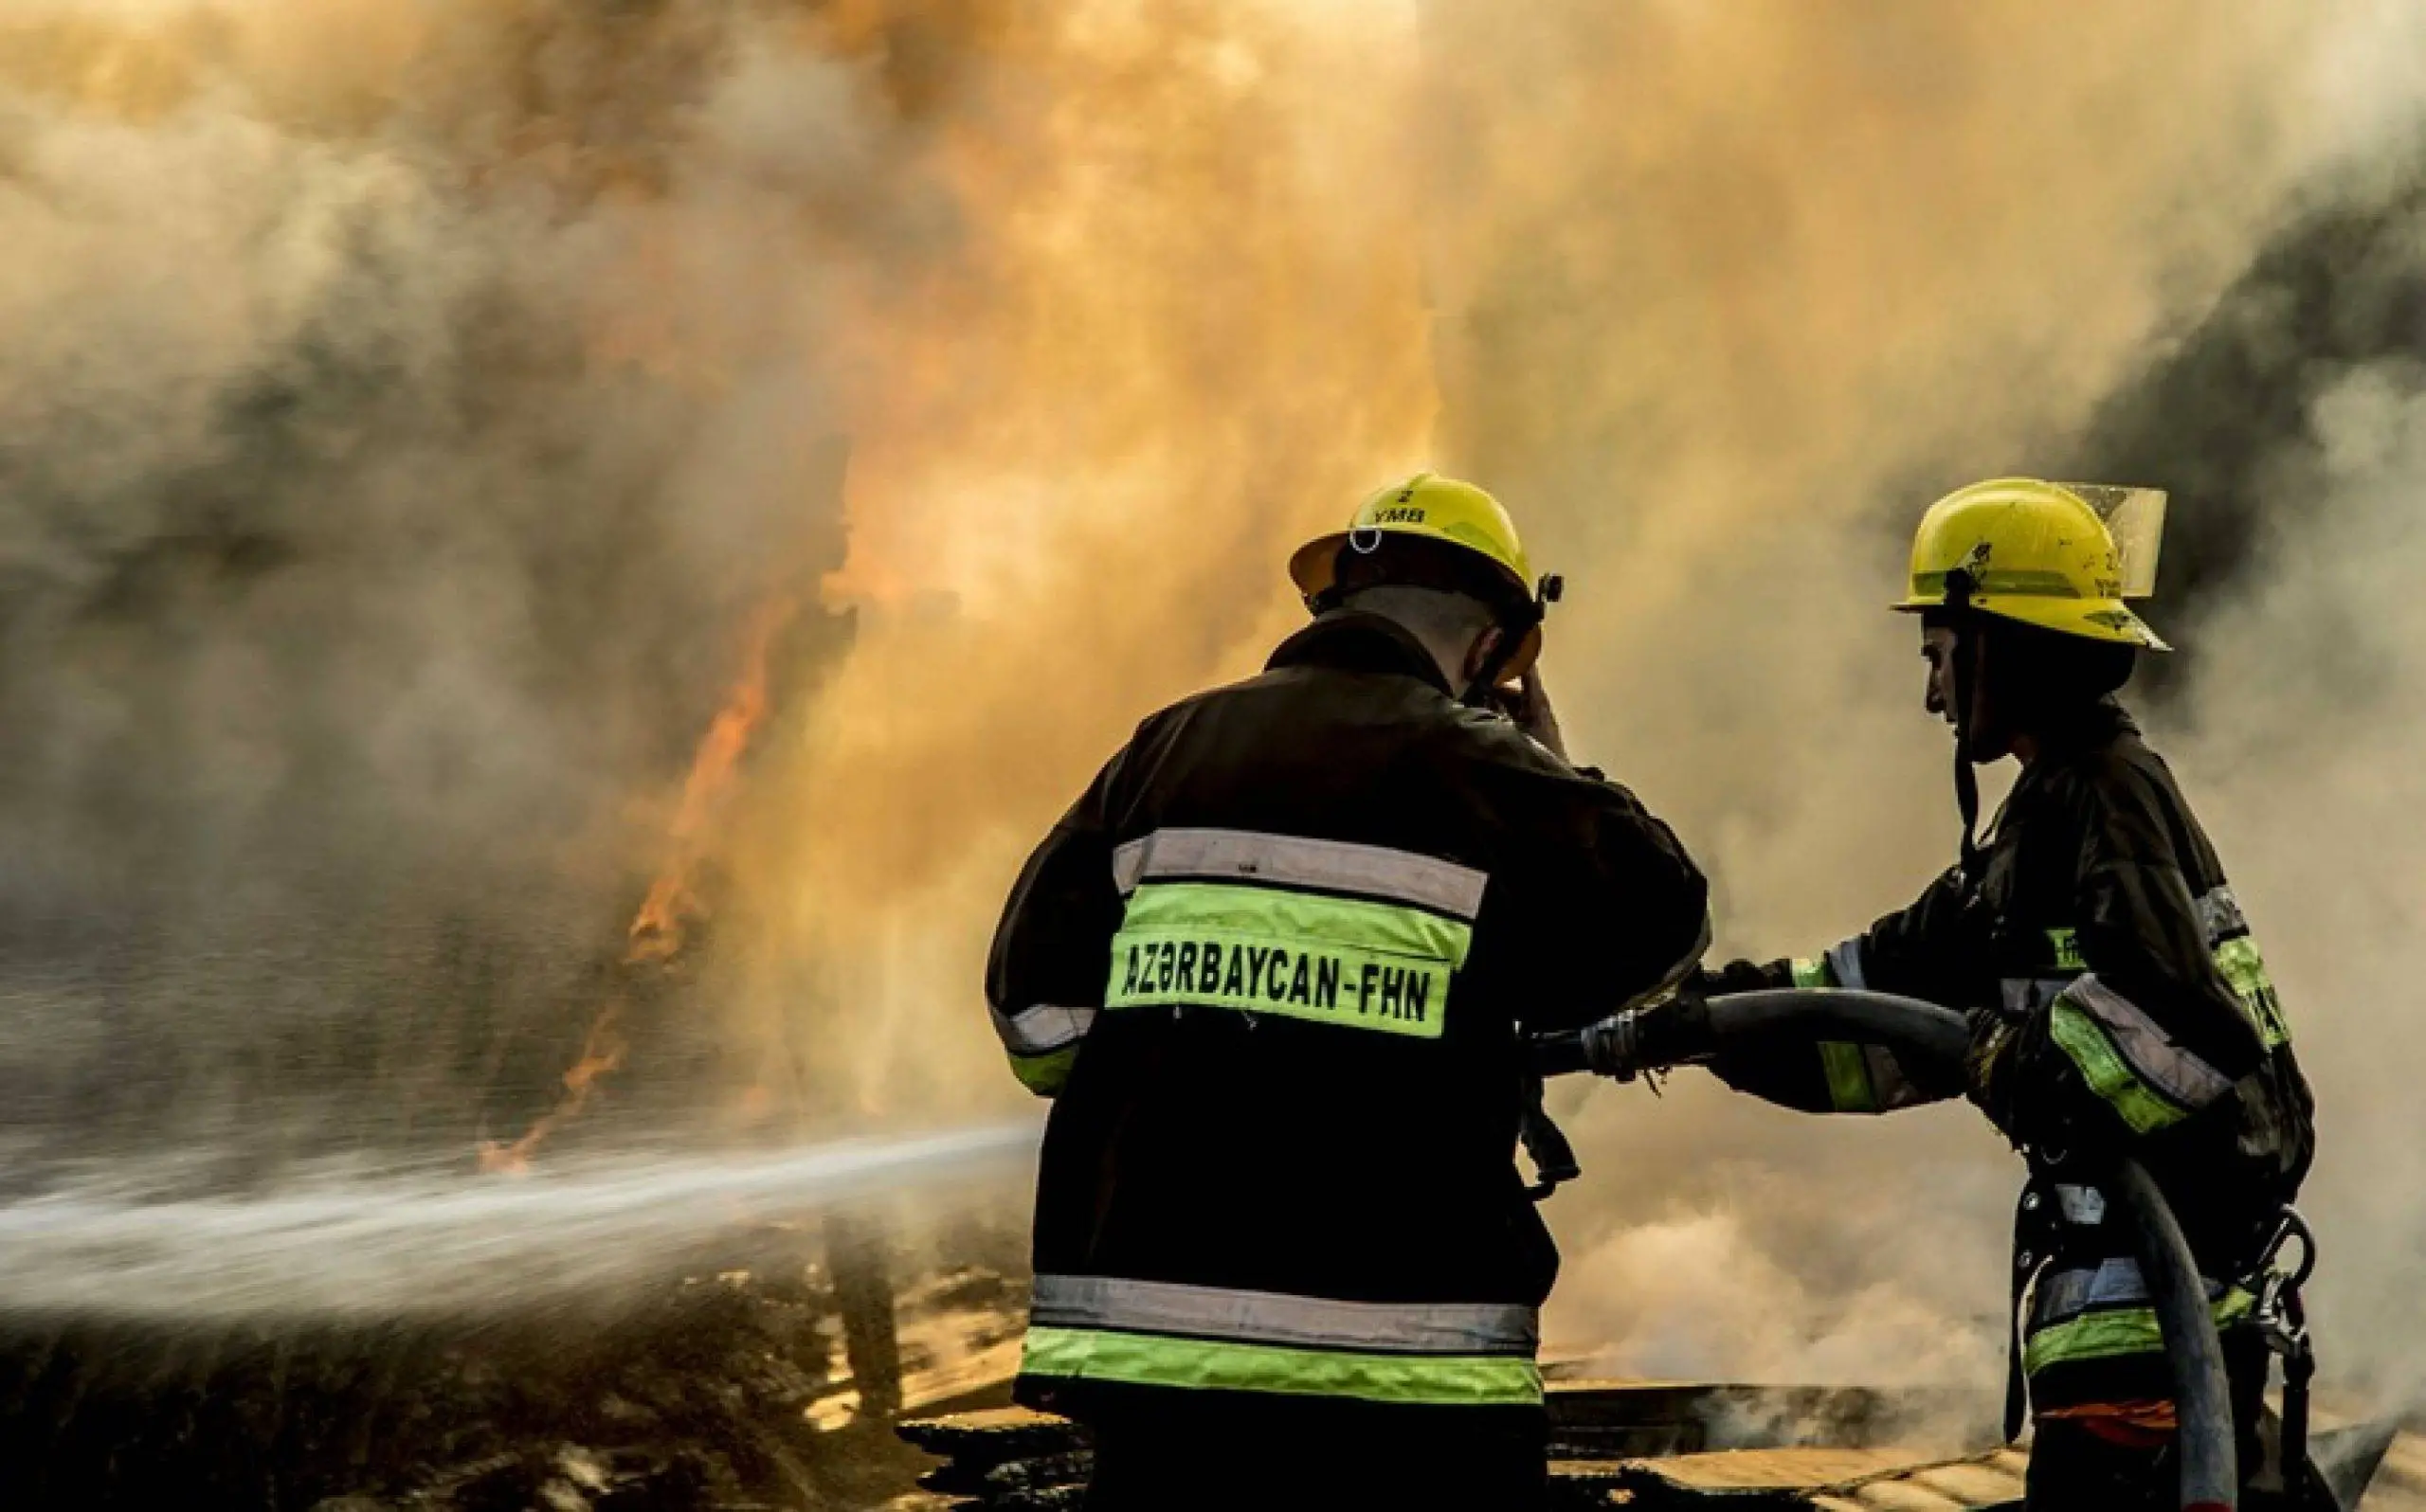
<point x="1989" y="1072"/>
<point x="2033" y="1093"/>
<point x="1736" y="975"/>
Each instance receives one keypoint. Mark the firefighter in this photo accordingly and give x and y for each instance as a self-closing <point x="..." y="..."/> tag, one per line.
<point x="2117" y="998"/>
<point x="1275" y="967"/>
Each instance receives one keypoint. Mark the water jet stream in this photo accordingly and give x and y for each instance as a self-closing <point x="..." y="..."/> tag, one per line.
<point x="362" y="1245"/>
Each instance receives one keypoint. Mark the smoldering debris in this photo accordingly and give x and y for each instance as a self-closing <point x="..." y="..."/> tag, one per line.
<point x="709" y="1390"/>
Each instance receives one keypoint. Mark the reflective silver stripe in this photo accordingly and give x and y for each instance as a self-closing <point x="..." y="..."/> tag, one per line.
<point x="1042" y="1029"/>
<point x="1888" y="1082"/>
<point x="2115" y="1283"/>
<point x="2084" y="1205"/>
<point x="1291" y="860"/>
<point x="2024" y="994"/>
<point x="2165" y="1065"/>
<point x="2219" y="914"/>
<point x="1844" y="963"/>
<point x="1277" y="1318"/>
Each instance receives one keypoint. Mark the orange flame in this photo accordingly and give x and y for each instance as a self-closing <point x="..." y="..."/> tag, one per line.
<point x="660" y="927"/>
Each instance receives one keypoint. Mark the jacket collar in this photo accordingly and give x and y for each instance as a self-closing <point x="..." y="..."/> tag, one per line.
<point x="2092" y="726"/>
<point x="1353" y="641"/>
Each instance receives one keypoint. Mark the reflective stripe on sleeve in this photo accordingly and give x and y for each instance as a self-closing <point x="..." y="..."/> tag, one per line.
<point x="1855" y="1085"/>
<point x="2219" y="914"/>
<point x="1034" y="1030"/>
<point x="1866" y="1078"/>
<point x="2242" y="966"/>
<point x="1045" y="1075"/>
<point x="1278" y="1318"/>
<point x="1200" y="1364"/>
<point x="1043" y="1043"/>
<point x="1849" y="1086"/>
<point x="2244" y="970"/>
<point x="1291" y="860"/>
<point x="2130" y="1061"/>
<point x="1844" y="963"/>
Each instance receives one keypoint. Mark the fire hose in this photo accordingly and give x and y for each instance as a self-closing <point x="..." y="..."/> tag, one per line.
<point x="1937" y="1037"/>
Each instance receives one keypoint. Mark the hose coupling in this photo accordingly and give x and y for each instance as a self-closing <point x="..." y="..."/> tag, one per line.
<point x="1613" y="1048"/>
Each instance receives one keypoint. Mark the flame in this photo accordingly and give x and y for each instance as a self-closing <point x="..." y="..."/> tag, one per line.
<point x="660" y="927"/>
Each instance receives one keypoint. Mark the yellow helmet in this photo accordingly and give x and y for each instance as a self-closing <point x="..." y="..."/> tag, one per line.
<point x="2037" y="553"/>
<point x="1433" y="508"/>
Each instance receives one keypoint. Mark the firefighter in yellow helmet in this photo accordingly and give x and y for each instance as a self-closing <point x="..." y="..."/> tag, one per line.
<point x="1277" y="967"/>
<point x="2118" y="999"/>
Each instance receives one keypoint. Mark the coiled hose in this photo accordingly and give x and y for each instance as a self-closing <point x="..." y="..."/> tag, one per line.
<point x="1939" y="1038"/>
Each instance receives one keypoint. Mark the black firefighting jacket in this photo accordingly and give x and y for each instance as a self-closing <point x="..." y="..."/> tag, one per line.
<point x="2119" y="1002"/>
<point x="1274" y="967"/>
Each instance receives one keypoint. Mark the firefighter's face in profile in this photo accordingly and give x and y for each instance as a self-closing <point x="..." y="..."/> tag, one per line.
<point x="1937" y="649"/>
<point x="1989" y="741"/>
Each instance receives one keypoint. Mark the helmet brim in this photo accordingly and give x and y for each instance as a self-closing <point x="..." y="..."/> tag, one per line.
<point x="2106" y="620"/>
<point x="1314" y="569"/>
<point x="1314" y="566"/>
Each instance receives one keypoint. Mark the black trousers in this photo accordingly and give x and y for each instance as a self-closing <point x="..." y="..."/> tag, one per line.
<point x="1282" y="1458"/>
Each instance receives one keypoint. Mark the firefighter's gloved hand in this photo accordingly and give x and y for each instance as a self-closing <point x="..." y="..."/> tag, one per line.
<point x="1736" y="975"/>
<point x="1988" y="1068"/>
<point x="2033" y="1092"/>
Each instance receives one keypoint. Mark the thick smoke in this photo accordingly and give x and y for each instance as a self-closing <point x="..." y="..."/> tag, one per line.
<point x="2295" y="416"/>
<point x="388" y="461"/>
<point x="405" y="416"/>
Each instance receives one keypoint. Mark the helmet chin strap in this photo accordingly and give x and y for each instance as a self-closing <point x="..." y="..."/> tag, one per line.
<point x="1967" y="777"/>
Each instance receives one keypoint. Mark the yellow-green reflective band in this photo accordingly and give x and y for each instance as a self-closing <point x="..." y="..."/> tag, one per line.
<point x="1047" y="1073"/>
<point x="1200" y="1364"/>
<point x="1849" y="1088"/>
<point x="2141" y="1107"/>
<point x="1369" y="966"/>
<point x="2121" y="1331"/>
<point x="2066" y="948"/>
<point x="2022" y="584"/>
<point x="2245" y="969"/>
<point x="1812" y="971"/>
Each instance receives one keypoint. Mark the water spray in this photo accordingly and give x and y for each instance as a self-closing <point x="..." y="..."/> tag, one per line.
<point x="363" y="1245"/>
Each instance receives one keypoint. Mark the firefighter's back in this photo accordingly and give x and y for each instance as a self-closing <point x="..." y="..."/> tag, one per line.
<point x="1278" y="1181"/>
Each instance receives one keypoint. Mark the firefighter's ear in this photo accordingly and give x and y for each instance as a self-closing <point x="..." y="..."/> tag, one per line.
<point x="1481" y="654"/>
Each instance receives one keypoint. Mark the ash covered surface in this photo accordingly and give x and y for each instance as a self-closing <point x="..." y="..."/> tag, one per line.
<point x="708" y="1390"/>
